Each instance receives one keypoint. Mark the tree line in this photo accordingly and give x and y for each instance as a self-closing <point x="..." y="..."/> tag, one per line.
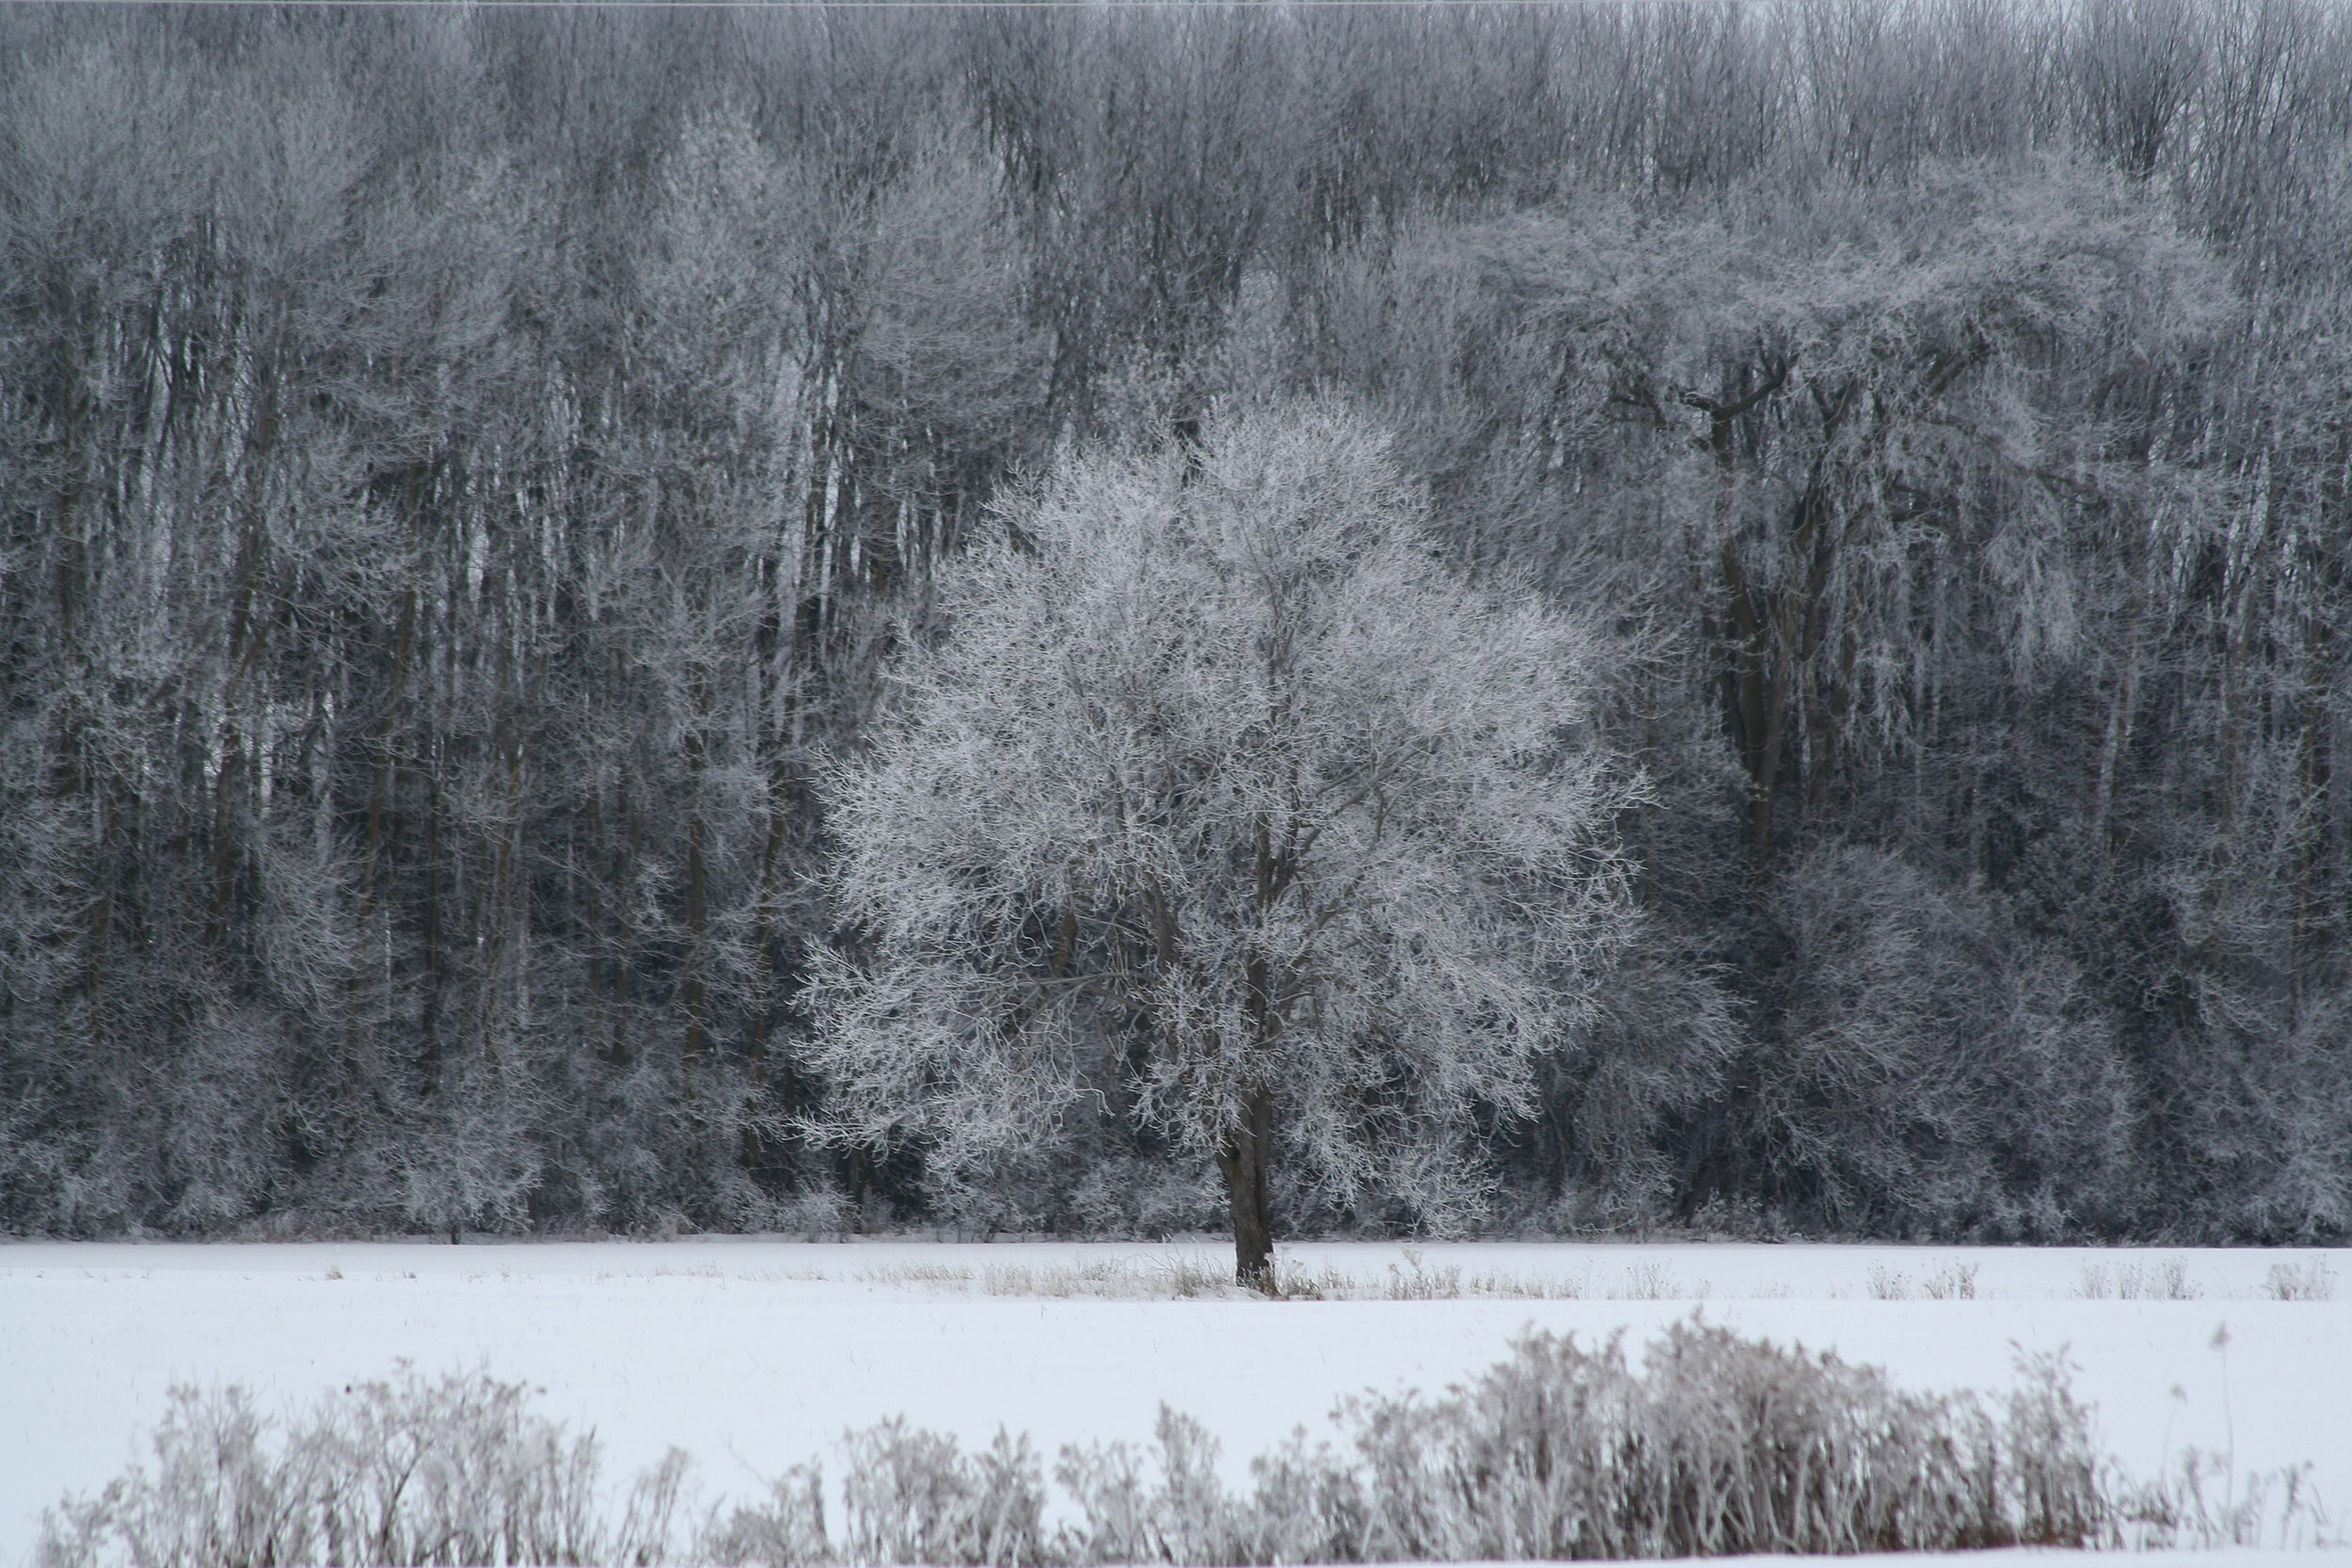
<point x="465" y="474"/>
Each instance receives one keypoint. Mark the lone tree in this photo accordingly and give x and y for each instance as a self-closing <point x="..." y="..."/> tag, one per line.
<point x="1208" y="752"/>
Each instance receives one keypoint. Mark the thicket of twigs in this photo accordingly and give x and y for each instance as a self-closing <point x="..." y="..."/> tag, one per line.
<point x="1719" y="1445"/>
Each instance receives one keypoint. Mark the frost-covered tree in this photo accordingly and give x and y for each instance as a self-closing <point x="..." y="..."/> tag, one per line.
<point x="1212" y="759"/>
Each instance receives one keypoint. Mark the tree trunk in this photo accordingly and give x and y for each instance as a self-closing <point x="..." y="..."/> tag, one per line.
<point x="1249" y="1150"/>
<point x="693" y="992"/>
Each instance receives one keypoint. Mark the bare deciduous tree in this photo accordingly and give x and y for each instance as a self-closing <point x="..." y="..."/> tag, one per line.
<point x="1215" y="756"/>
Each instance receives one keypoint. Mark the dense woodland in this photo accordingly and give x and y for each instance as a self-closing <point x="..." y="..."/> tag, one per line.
<point x="463" y="471"/>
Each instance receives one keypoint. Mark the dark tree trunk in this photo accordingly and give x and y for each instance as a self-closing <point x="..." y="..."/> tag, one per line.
<point x="1247" y="1151"/>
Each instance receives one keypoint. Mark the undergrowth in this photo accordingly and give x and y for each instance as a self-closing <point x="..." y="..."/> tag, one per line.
<point x="1185" y="1277"/>
<point x="1718" y="1445"/>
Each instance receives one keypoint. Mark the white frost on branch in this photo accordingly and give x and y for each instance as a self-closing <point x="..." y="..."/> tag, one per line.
<point x="1207" y="751"/>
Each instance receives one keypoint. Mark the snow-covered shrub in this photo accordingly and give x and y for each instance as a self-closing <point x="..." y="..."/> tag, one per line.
<point x="407" y="1471"/>
<point x="2167" y="1280"/>
<point x="2205" y="1503"/>
<point x="2310" y="1280"/>
<point x="1721" y="1445"/>
<point x="786" y="1532"/>
<point x="1716" y="1446"/>
<point x="1183" y="1514"/>
<point x="907" y="1496"/>
<point x="910" y="1495"/>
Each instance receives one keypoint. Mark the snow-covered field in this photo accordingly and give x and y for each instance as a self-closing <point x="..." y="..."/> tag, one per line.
<point x="756" y="1354"/>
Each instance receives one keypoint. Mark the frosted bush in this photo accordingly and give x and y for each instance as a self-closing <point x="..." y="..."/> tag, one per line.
<point x="2164" y="1279"/>
<point x="1955" y="1282"/>
<point x="2204" y="1504"/>
<point x="1168" y="1508"/>
<point x="2307" y="1281"/>
<point x="908" y="1495"/>
<point x="786" y="1532"/>
<point x="409" y="1471"/>
<point x="1723" y="1446"/>
<point x="1716" y="1446"/>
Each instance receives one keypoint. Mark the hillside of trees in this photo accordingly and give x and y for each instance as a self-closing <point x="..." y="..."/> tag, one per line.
<point x="464" y="472"/>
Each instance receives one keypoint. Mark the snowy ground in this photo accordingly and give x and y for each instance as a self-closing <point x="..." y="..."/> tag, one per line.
<point x="754" y="1354"/>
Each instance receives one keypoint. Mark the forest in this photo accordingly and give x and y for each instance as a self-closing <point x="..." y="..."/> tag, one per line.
<point x="470" y="475"/>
